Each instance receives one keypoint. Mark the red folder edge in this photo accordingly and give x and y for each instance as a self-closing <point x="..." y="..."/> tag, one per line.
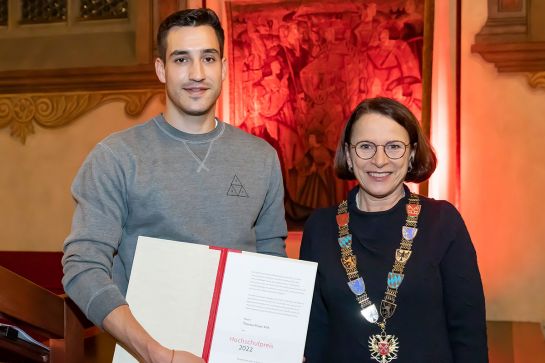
<point x="215" y="300"/>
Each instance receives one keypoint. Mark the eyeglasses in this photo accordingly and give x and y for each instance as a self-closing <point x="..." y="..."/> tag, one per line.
<point x="367" y="149"/>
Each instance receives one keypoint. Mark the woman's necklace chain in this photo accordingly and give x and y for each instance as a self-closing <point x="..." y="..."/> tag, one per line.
<point x="383" y="347"/>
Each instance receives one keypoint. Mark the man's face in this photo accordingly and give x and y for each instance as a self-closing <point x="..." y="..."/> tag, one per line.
<point x="193" y="70"/>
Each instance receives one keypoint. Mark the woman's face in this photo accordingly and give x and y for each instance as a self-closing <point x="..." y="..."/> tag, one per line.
<point x="379" y="176"/>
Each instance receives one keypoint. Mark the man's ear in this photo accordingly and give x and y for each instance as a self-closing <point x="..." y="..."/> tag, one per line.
<point x="223" y="69"/>
<point x="160" y="70"/>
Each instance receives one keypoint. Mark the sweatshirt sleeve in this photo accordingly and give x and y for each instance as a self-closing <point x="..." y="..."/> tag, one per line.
<point x="270" y="228"/>
<point x="100" y="194"/>
<point x="463" y="297"/>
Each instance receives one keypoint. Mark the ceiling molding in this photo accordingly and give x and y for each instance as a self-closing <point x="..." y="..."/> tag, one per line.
<point x="512" y="39"/>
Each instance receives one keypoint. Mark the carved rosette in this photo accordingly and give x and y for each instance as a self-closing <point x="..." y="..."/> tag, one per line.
<point x="537" y="80"/>
<point x="21" y="111"/>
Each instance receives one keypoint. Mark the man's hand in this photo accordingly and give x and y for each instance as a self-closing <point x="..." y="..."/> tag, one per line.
<point x="163" y="355"/>
<point x="186" y="357"/>
<point x="124" y="327"/>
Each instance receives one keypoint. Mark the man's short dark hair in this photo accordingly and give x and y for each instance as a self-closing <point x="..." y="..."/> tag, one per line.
<point x="424" y="162"/>
<point x="189" y="17"/>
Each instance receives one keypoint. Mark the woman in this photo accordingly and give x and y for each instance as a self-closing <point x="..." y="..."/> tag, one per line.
<point x="397" y="272"/>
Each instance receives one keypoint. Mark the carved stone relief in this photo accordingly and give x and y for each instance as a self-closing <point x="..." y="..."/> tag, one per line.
<point x="20" y="112"/>
<point x="537" y="80"/>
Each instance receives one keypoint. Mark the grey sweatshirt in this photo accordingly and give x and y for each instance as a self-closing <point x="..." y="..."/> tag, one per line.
<point x="222" y="188"/>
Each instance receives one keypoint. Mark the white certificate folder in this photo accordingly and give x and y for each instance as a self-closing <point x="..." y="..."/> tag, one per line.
<point x="223" y="305"/>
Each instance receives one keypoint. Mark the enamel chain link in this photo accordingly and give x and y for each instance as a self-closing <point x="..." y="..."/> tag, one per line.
<point x="383" y="347"/>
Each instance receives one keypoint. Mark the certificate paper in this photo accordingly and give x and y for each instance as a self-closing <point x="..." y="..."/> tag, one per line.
<point x="225" y="306"/>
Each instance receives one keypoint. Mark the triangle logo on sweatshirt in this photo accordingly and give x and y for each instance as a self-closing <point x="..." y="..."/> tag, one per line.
<point x="236" y="189"/>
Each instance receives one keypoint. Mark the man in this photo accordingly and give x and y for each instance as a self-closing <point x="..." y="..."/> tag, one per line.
<point x="184" y="175"/>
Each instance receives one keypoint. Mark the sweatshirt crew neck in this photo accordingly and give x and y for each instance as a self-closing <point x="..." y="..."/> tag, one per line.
<point x="174" y="133"/>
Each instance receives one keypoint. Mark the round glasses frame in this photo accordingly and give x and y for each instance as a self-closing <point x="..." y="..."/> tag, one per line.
<point x="375" y="148"/>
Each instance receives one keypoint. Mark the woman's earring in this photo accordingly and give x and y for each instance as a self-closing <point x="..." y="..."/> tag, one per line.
<point x="410" y="165"/>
